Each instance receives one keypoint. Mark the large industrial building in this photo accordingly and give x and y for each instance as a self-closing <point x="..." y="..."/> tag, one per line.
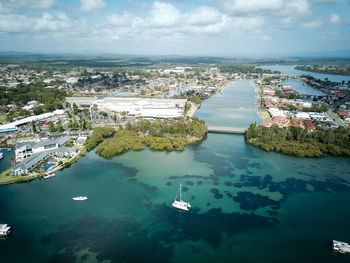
<point x="147" y="108"/>
<point x="13" y="126"/>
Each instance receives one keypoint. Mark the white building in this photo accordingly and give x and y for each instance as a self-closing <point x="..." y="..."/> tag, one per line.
<point x="81" y="140"/>
<point x="148" y="108"/>
<point x="13" y="125"/>
<point x="26" y="149"/>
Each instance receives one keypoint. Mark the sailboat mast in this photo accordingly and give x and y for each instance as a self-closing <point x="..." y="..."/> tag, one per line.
<point x="180" y="192"/>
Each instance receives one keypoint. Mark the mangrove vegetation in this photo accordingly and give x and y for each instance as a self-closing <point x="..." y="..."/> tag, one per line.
<point x="299" y="142"/>
<point x="158" y="135"/>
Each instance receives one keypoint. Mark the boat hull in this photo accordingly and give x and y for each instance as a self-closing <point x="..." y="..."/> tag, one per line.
<point x="180" y="205"/>
<point x="341" y="247"/>
<point x="80" y="198"/>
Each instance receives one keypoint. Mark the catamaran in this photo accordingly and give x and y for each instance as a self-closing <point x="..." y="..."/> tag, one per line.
<point x="182" y="205"/>
<point x="80" y="198"/>
<point x="5" y="229"/>
<point x="341" y="247"/>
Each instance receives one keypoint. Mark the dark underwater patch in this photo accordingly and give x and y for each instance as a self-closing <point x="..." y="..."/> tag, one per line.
<point x="189" y="183"/>
<point x="117" y="240"/>
<point x="250" y="201"/>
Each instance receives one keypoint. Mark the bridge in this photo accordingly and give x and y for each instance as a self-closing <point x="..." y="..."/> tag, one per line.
<point x="228" y="106"/>
<point x="230" y="130"/>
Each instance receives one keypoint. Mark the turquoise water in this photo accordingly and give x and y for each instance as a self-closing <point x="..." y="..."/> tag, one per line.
<point x="295" y="73"/>
<point x="247" y="205"/>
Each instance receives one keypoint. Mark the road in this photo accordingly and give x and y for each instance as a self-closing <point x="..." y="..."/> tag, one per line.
<point x="333" y="116"/>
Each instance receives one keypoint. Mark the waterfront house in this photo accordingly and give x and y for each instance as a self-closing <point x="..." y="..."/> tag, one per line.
<point x="36" y="159"/>
<point x="26" y="149"/>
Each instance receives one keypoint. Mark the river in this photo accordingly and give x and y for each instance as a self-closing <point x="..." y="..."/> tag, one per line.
<point x="247" y="205"/>
<point x="289" y="69"/>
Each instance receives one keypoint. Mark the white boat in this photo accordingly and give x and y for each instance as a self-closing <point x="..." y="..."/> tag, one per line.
<point x="9" y="149"/>
<point x="1" y="155"/>
<point x="80" y="198"/>
<point x="341" y="247"/>
<point x="5" y="229"/>
<point x="49" y="175"/>
<point x="180" y="204"/>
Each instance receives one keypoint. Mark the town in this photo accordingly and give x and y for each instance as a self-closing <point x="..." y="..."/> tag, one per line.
<point x="49" y="114"/>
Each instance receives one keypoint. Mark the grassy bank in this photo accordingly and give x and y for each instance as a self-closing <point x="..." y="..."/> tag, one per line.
<point x="6" y="178"/>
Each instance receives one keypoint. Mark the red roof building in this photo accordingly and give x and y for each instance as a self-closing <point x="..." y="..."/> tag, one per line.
<point x="309" y="125"/>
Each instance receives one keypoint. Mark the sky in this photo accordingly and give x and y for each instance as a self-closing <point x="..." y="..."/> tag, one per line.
<point x="233" y="28"/>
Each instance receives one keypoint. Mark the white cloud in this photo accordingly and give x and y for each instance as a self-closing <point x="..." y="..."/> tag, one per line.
<point x="164" y="21"/>
<point x="287" y="11"/>
<point x="297" y="7"/>
<point x="91" y="6"/>
<point x="164" y="15"/>
<point x="34" y="4"/>
<point x="311" y="24"/>
<point x="249" y="6"/>
<point x="334" y="19"/>
<point x="47" y="22"/>
<point x="328" y="1"/>
<point x="203" y="16"/>
<point x="123" y="19"/>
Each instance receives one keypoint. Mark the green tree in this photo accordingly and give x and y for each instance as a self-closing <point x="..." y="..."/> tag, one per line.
<point x="60" y="127"/>
<point x="33" y="127"/>
<point x="52" y="127"/>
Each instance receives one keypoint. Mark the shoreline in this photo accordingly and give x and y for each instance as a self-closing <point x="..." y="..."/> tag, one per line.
<point x="31" y="176"/>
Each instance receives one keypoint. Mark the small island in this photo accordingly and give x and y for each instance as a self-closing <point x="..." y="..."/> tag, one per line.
<point x="158" y="135"/>
<point x="299" y="142"/>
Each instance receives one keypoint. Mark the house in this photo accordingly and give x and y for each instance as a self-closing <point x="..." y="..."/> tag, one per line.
<point x="81" y="140"/>
<point x="309" y="125"/>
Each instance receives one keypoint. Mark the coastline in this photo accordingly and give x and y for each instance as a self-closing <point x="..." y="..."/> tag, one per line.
<point x="31" y="176"/>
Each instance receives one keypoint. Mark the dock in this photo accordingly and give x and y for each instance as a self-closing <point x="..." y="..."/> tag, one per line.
<point x="229" y="130"/>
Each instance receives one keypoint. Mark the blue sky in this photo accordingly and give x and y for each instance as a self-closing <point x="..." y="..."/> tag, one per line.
<point x="178" y="27"/>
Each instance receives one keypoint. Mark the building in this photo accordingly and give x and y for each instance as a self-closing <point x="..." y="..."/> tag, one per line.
<point x="81" y="140"/>
<point x="13" y="126"/>
<point x="35" y="159"/>
<point x="147" y="108"/>
<point x="26" y="149"/>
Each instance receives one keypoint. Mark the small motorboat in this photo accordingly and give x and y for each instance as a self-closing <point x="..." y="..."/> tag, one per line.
<point x="80" y="198"/>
